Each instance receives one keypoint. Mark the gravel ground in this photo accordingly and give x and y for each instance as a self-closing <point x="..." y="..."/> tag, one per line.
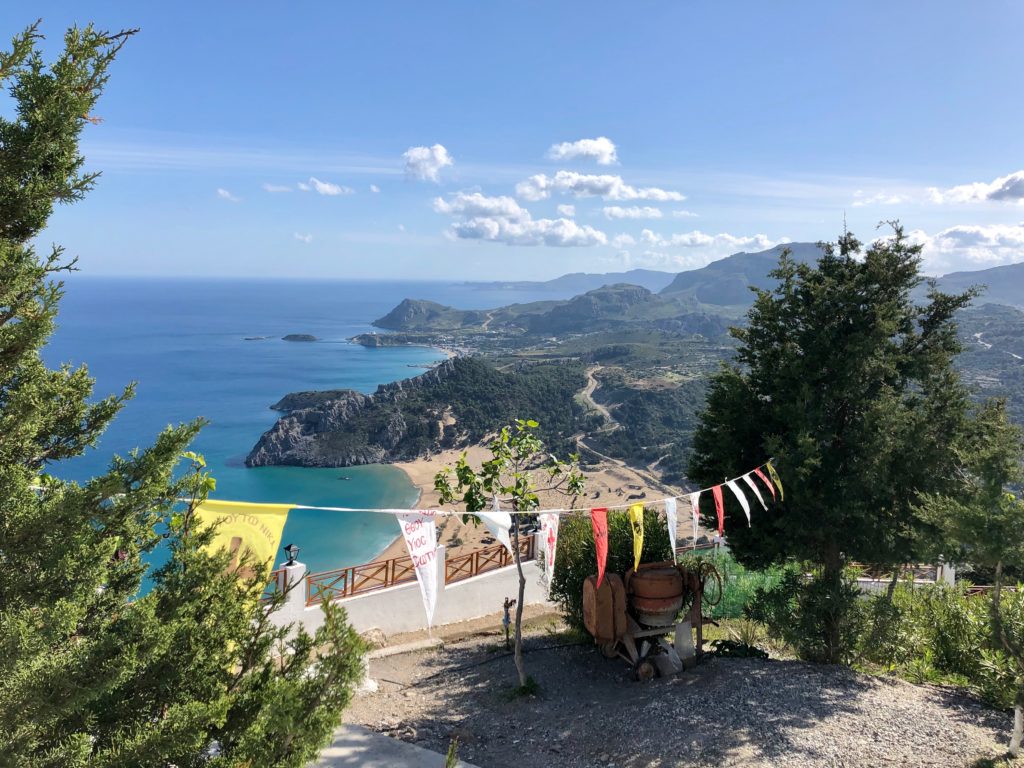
<point x="731" y="712"/>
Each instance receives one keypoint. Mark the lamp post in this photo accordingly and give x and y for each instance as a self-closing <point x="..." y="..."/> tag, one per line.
<point x="292" y="551"/>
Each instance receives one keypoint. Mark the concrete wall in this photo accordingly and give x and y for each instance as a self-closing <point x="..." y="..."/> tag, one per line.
<point x="400" y="609"/>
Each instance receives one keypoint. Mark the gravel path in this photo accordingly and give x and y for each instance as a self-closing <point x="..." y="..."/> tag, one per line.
<point x="731" y="712"/>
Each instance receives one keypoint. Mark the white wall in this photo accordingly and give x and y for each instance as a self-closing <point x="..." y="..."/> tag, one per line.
<point x="400" y="609"/>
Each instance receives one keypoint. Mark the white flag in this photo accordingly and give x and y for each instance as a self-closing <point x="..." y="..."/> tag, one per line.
<point x="671" y="519"/>
<point x="498" y="523"/>
<point x="695" y="509"/>
<point x="420" y="532"/>
<point x="741" y="498"/>
<point x="757" y="491"/>
<point x="549" y="542"/>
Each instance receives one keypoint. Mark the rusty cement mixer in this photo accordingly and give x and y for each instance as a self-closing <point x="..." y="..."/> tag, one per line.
<point x="631" y="617"/>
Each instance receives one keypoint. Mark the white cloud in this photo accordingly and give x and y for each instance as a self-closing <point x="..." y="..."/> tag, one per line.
<point x="223" y="194"/>
<point x="267" y="187"/>
<point x="607" y="186"/>
<point x="567" y="210"/>
<point x="425" y="163"/>
<point x="401" y="227"/>
<point x="698" y="239"/>
<point x="684" y="215"/>
<point x="502" y="219"/>
<point x="304" y="238"/>
<point x="633" y="212"/>
<point x="967" y="246"/>
<point x="601" y="149"/>
<point x="623" y="241"/>
<point x="862" y="199"/>
<point x="1005" y="189"/>
<point x="325" y="187"/>
<point x="374" y="188"/>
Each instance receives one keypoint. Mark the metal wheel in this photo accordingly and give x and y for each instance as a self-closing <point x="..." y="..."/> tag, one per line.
<point x="644" y="671"/>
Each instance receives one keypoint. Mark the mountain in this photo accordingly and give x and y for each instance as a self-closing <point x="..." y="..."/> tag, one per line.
<point x="1004" y="285"/>
<point x="420" y="314"/>
<point x="727" y="282"/>
<point x="581" y="282"/>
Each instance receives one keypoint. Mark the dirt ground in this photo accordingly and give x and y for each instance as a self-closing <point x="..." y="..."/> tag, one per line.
<point x="733" y="712"/>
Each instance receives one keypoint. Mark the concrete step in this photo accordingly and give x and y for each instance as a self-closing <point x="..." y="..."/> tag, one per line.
<point x="354" y="745"/>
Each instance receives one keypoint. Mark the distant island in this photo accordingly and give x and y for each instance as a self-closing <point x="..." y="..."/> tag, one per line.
<point x="299" y="337"/>
<point x="617" y="372"/>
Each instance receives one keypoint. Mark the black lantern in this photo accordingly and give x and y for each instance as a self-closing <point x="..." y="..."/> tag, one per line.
<point x="292" y="551"/>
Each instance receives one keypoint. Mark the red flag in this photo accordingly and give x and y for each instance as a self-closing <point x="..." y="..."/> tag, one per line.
<point x="599" y="522"/>
<point x="719" y="508"/>
<point x="766" y="481"/>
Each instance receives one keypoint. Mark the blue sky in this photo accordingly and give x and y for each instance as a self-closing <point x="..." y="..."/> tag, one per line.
<point x="529" y="139"/>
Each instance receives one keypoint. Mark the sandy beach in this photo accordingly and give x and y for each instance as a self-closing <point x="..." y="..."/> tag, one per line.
<point x="609" y="483"/>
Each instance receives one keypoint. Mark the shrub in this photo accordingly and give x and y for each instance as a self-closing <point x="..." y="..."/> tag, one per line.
<point x="575" y="559"/>
<point x="799" y="611"/>
<point x="739" y="584"/>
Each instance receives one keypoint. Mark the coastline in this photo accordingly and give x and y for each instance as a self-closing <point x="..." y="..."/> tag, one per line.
<point x="607" y="483"/>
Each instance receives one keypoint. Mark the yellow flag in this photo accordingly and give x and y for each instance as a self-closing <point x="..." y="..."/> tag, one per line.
<point x="255" y="528"/>
<point x="775" y="479"/>
<point x="636" y="520"/>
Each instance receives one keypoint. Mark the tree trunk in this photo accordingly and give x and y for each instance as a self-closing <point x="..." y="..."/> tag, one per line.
<point x="518" y="654"/>
<point x="1018" y="730"/>
<point x="833" y="577"/>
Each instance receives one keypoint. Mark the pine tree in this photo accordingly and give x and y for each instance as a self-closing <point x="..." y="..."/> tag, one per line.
<point x="849" y="384"/>
<point x="91" y="674"/>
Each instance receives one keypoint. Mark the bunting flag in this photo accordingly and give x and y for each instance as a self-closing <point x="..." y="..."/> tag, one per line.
<point x="716" y="491"/>
<point x="498" y="523"/>
<point x="549" y="542"/>
<point x="244" y="528"/>
<point x="599" y="522"/>
<point x="420" y="531"/>
<point x="672" y="521"/>
<point x="775" y="478"/>
<point x="757" y="492"/>
<point x="695" y="511"/>
<point x="740" y="498"/>
<point x="636" y="521"/>
<point x="766" y="481"/>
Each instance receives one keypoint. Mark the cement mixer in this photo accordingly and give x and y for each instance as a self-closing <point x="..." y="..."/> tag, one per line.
<point x="631" y="617"/>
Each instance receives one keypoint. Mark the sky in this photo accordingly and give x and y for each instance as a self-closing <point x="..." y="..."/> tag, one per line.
<point x="524" y="140"/>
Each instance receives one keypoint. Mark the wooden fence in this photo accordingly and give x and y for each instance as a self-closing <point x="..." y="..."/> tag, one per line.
<point x="357" y="579"/>
<point x="273" y="587"/>
<point x="480" y="561"/>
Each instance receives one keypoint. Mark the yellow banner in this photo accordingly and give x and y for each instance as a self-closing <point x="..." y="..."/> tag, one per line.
<point x="255" y="528"/>
<point x="775" y="479"/>
<point x="636" y="519"/>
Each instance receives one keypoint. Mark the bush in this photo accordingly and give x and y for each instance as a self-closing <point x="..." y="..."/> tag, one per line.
<point x="798" y="610"/>
<point x="575" y="559"/>
<point x="739" y="584"/>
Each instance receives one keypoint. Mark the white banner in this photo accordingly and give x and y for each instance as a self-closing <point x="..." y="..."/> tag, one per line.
<point x="549" y="542"/>
<point x="695" y="510"/>
<point x="420" y="532"/>
<point x="757" y="491"/>
<point x="741" y="498"/>
<point x="671" y="518"/>
<point x="498" y="523"/>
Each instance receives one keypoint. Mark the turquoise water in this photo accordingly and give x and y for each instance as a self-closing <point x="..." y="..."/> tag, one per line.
<point x="183" y="341"/>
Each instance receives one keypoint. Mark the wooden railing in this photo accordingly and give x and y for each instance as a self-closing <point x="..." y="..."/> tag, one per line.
<point x="356" y="579"/>
<point x="480" y="561"/>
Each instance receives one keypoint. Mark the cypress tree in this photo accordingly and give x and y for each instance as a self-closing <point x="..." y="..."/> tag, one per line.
<point x="91" y="674"/>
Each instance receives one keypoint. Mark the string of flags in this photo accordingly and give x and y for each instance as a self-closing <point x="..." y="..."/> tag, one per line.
<point x="258" y="528"/>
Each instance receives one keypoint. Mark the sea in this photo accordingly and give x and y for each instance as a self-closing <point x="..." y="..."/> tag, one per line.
<point x="214" y="349"/>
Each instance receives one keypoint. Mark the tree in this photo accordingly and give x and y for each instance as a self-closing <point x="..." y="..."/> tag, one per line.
<point x="511" y="476"/>
<point x="849" y="384"/>
<point x="92" y="673"/>
<point x="983" y="523"/>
